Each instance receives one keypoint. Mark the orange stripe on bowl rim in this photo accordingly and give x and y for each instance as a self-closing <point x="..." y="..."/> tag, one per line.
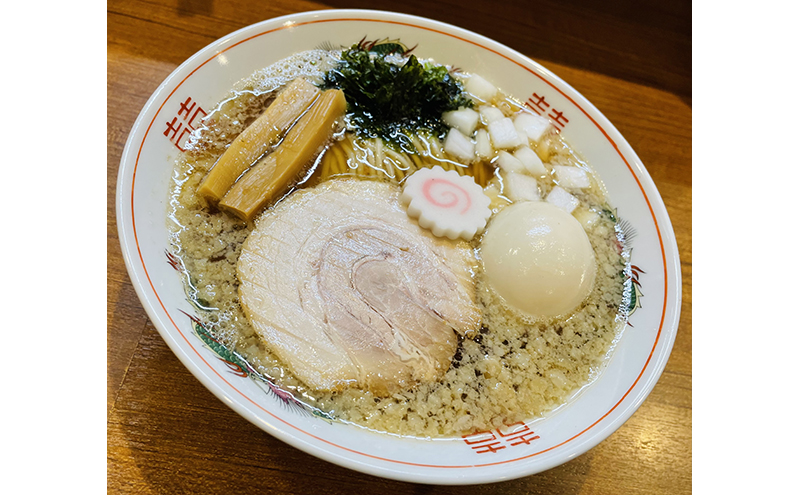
<point x="322" y="440"/>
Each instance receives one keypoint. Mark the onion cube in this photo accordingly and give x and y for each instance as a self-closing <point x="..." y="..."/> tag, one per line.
<point x="503" y="134"/>
<point x="490" y="114"/>
<point x="529" y="158"/>
<point x="562" y="199"/>
<point x="480" y="88"/>
<point x="483" y="147"/>
<point x="508" y="163"/>
<point x="571" y="177"/>
<point x="531" y="125"/>
<point x="459" y="145"/>
<point x="463" y="119"/>
<point x="520" y="187"/>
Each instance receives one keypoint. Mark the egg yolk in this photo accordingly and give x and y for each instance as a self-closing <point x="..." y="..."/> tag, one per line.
<point x="538" y="258"/>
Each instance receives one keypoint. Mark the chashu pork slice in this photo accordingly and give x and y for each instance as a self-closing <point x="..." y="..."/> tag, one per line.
<point x="348" y="291"/>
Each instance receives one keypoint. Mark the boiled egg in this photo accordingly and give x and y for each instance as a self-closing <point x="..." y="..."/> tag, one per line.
<point x="538" y="258"/>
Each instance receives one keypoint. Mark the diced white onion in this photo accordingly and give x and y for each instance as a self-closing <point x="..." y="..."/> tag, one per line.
<point x="531" y="125"/>
<point x="523" y="138"/>
<point x="483" y="147"/>
<point x="508" y="163"/>
<point x="503" y="134"/>
<point x="520" y="187"/>
<point x="562" y="199"/>
<point x="480" y="88"/>
<point x="490" y="114"/>
<point x="571" y="177"/>
<point x="463" y="119"/>
<point x="459" y="145"/>
<point x="529" y="158"/>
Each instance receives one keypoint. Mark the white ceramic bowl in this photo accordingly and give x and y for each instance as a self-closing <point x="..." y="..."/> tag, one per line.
<point x="589" y="417"/>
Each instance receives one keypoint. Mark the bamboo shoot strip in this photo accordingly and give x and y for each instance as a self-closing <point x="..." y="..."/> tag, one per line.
<point x="273" y="175"/>
<point x="258" y="138"/>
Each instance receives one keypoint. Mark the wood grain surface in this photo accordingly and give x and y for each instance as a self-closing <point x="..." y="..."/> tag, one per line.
<point x="168" y="434"/>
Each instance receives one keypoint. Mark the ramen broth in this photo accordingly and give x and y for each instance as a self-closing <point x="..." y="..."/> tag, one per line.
<point x="515" y="368"/>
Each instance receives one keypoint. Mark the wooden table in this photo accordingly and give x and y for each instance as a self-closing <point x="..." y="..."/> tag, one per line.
<point x="168" y="434"/>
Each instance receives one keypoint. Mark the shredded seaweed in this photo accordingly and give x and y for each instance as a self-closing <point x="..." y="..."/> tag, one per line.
<point x="385" y="99"/>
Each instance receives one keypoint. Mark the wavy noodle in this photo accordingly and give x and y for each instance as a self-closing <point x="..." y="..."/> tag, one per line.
<point x="402" y="160"/>
<point x="373" y="159"/>
<point x="420" y="146"/>
<point x="341" y="159"/>
<point x="435" y="148"/>
<point x="348" y="151"/>
<point x="478" y="173"/>
<point x="378" y="153"/>
<point x="416" y="161"/>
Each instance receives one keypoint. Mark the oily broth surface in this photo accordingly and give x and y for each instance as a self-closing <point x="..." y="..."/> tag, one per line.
<point x="514" y="370"/>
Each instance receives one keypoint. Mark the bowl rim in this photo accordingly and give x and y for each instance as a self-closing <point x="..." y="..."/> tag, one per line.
<point x="670" y="313"/>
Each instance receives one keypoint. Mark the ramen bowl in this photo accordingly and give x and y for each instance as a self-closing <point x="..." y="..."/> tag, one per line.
<point x="639" y="356"/>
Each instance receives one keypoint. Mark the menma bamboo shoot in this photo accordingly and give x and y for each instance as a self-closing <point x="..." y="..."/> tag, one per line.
<point x="257" y="138"/>
<point x="274" y="174"/>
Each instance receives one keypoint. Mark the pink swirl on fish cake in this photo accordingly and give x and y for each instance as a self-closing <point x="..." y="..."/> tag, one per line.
<point x="452" y="198"/>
